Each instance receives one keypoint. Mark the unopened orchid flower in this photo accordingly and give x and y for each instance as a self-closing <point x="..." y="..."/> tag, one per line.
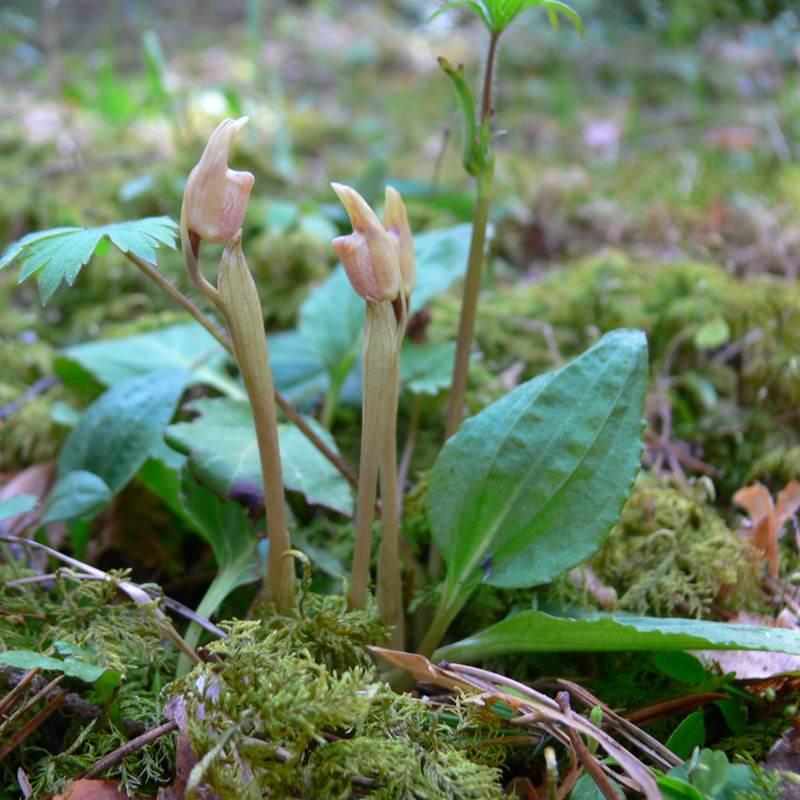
<point x="215" y="200"/>
<point x="369" y="254"/>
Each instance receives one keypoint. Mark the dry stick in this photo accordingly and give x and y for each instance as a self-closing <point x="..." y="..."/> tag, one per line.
<point x="220" y="335"/>
<point x="115" y="756"/>
<point x="10" y="700"/>
<point x="32" y="724"/>
<point x="657" y="751"/>
<point x="587" y="759"/>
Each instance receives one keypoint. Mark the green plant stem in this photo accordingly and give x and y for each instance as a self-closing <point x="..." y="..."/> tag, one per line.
<point x="218" y="590"/>
<point x="408" y="450"/>
<point x="220" y="335"/>
<point x="242" y="308"/>
<point x="445" y="614"/>
<point x="335" y="384"/>
<point x="466" y="325"/>
<point x="486" y="97"/>
<point x="389" y="582"/>
<point x="378" y="388"/>
<point x="469" y="300"/>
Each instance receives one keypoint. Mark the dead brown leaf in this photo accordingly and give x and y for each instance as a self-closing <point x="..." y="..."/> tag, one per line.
<point x="767" y="519"/>
<point x="87" y="789"/>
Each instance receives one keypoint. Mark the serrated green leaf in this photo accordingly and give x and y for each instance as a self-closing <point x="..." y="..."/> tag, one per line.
<point x="223" y="453"/>
<point x="19" y="504"/>
<point x="478" y="7"/>
<point x="78" y="495"/>
<point x="531" y="486"/>
<point x="117" y="432"/>
<point x="537" y="632"/>
<point x="59" y="254"/>
<point x="178" y="347"/>
<point x="497" y="15"/>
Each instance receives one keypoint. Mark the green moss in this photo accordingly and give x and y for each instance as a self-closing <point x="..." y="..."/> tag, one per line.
<point x="269" y="720"/>
<point x="285" y="266"/>
<point x="671" y="554"/>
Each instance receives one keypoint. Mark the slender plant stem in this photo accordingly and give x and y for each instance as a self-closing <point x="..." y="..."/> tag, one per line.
<point x="242" y="308"/>
<point x="408" y="450"/>
<point x="389" y="588"/>
<point x="466" y="325"/>
<point x="469" y="301"/>
<point x="223" y="338"/>
<point x="444" y="615"/>
<point x="472" y="284"/>
<point x="486" y="98"/>
<point x="179" y="297"/>
<point x="379" y="388"/>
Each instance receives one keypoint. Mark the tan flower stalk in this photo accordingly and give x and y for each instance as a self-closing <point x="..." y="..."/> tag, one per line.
<point x="240" y="303"/>
<point x="370" y="258"/>
<point x="214" y="203"/>
<point x="389" y="584"/>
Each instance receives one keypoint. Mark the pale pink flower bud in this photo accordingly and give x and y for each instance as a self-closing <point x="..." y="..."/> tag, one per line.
<point x="368" y="253"/>
<point x="395" y="220"/>
<point x="215" y="200"/>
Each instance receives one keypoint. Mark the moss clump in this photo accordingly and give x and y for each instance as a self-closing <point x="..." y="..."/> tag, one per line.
<point x="284" y="266"/>
<point x="671" y="554"/>
<point x="731" y="402"/>
<point x="271" y="721"/>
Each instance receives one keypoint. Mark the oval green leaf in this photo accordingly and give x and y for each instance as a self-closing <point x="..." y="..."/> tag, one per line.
<point x="531" y="486"/>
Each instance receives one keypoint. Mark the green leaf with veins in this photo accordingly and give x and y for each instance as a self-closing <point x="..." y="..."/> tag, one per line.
<point x="188" y="346"/>
<point x="223" y="453"/>
<point x="497" y="15"/>
<point x="531" y="485"/>
<point x="537" y="632"/>
<point x="59" y="254"/>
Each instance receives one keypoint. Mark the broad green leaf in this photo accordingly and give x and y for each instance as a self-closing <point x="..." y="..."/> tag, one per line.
<point x="332" y="320"/>
<point x="59" y="254"/>
<point x="187" y="347"/>
<point x="223" y="453"/>
<point x="78" y="495"/>
<point x="531" y="486"/>
<point x="117" y="432"/>
<point x="20" y="504"/>
<point x="682" y="667"/>
<point x="75" y="668"/>
<point x="689" y="734"/>
<point x="537" y="632"/>
<point x="297" y="369"/>
<point x="673" y="788"/>
<point x="441" y="260"/>
<point x="587" y="789"/>
<point x="427" y="368"/>
<point x="224" y="525"/>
